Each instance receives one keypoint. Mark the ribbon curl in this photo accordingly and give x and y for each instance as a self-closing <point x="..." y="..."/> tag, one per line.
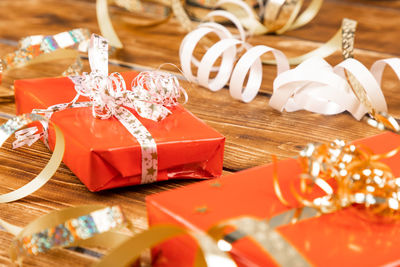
<point x="39" y="48"/>
<point x="235" y="65"/>
<point x="151" y="96"/>
<point x="276" y="16"/>
<point x="360" y="177"/>
<point x="349" y="175"/>
<point x="28" y="136"/>
<point x="94" y="226"/>
<point x="318" y="87"/>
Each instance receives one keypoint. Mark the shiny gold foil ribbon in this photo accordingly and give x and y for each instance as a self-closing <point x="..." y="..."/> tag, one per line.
<point x="16" y="123"/>
<point x="107" y="29"/>
<point x="279" y="16"/>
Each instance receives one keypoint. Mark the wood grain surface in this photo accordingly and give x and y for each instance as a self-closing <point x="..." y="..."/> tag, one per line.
<point x="253" y="131"/>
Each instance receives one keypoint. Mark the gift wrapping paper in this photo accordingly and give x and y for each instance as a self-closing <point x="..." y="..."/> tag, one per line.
<point x="347" y="237"/>
<point x="103" y="154"/>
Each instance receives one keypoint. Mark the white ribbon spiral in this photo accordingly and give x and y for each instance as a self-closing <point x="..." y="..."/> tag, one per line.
<point x="230" y="68"/>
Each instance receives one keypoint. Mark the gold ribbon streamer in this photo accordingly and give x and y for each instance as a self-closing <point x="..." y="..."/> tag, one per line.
<point x="275" y="12"/>
<point x="279" y="16"/>
<point x="104" y="21"/>
<point x="14" y="124"/>
<point x="130" y="250"/>
<point x="334" y="44"/>
<point x="108" y="31"/>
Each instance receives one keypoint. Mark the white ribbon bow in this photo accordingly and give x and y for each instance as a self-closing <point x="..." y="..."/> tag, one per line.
<point x="151" y="95"/>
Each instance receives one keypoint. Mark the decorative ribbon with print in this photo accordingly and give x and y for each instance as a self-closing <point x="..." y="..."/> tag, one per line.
<point x="91" y="225"/>
<point x="229" y="46"/>
<point x="15" y="124"/>
<point x="94" y="226"/>
<point x="151" y="95"/>
<point x="39" y="48"/>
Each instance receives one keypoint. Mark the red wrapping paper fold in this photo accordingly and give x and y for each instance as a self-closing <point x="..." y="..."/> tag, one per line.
<point x="103" y="154"/>
<point x="344" y="238"/>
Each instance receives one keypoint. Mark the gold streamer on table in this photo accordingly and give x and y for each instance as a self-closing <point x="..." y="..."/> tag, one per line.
<point x="276" y="16"/>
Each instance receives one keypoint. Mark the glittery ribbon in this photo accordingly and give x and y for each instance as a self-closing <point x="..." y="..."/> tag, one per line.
<point x="40" y="48"/>
<point x="151" y="95"/>
<point x="94" y="226"/>
<point x="91" y="225"/>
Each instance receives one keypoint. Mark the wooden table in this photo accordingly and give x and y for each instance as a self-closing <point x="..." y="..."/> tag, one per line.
<point x="253" y="131"/>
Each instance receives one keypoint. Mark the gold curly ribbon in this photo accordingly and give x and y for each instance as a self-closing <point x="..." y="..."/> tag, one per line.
<point x="10" y="127"/>
<point x="129" y="251"/>
<point x="362" y="181"/>
<point x="107" y="30"/>
<point x="361" y="178"/>
<point x="278" y="16"/>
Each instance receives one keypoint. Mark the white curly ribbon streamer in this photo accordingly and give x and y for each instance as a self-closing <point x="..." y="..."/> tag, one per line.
<point x="318" y="87"/>
<point x="231" y="68"/>
<point x="314" y="85"/>
<point x="151" y="95"/>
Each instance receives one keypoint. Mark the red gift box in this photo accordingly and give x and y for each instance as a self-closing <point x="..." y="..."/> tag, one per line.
<point x="103" y="154"/>
<point x="343" y="238"/>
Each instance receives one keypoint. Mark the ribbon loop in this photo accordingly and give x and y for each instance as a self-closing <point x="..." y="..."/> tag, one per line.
<point x="151" y="95"/>
<point x="26" y="136"/>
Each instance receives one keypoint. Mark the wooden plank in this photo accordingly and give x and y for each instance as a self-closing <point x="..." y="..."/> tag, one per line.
<point x="254" y="131"/>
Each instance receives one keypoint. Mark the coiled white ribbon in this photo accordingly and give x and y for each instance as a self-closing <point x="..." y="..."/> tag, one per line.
<point x="229" y="69"/>
<point x="318" y="87"/>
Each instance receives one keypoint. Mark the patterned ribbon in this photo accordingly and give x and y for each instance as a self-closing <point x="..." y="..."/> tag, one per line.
<point x="91" y="225"/>
<point x="96" y="226"/>
<point x="40" y="48"/>
<point x="152" y="94"/>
